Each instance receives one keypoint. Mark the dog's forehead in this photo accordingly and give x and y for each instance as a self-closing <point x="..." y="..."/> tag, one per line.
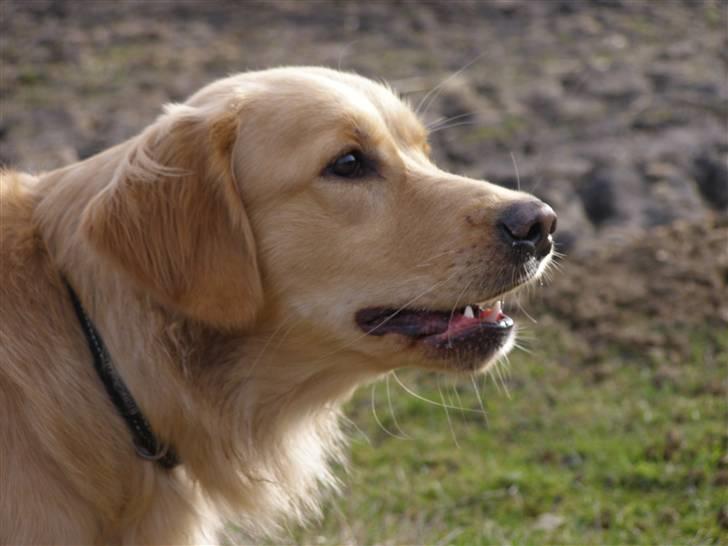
<point x="337" y="96"/>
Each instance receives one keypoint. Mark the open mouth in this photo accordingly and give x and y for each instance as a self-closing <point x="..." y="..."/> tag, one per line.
<point x="474" y="330"/>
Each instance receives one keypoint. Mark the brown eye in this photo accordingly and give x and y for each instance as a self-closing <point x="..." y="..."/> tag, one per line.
<point x="349" y="165"/>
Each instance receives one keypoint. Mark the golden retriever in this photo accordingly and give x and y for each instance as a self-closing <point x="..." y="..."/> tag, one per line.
<point x="248" y="260"/>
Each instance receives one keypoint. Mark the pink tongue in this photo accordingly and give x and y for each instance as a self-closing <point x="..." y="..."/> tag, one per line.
<point x="490" y="315"/>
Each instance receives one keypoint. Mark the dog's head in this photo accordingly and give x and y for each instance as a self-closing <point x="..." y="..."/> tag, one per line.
<point x="307" y="196"/>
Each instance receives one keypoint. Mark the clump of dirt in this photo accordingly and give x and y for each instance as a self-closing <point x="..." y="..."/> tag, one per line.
<point x="649" y="296"/>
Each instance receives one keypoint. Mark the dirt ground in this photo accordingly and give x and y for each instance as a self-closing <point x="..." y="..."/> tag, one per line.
<point x="614" y="111"/>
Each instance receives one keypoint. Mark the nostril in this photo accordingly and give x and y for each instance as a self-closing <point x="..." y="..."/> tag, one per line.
<point x="529" y="223"/>
<point x="534" y="234"/>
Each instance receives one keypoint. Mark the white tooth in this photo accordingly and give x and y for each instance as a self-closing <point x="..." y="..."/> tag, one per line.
<point x="469" y="312"/>
<point x="498" y="308"/>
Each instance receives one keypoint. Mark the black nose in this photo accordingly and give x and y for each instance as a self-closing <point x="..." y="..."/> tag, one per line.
<point x="528" y="225"/>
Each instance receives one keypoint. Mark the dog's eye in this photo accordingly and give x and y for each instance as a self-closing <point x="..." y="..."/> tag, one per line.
<point x="350" y="165"/>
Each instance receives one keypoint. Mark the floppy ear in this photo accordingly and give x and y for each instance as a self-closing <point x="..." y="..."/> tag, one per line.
<point x="173" y="218"/>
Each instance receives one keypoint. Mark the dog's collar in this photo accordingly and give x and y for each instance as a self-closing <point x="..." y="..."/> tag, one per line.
<point x="145" y="442"/>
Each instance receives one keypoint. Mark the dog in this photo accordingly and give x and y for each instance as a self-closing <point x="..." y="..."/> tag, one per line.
<point x="183" y="314"/>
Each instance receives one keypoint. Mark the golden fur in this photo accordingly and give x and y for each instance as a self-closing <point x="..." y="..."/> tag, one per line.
<point x="222" y="271"/>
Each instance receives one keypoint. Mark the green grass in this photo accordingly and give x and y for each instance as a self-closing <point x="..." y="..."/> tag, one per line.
<point x="628" y="455"/>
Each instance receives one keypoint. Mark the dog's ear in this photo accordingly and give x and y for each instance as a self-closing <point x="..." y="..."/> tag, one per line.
<point x="174" y="220"/>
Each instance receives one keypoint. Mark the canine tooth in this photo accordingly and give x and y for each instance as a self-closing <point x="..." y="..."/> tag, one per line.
<point x="469" y="312"/>
<point x="498" y="307"/>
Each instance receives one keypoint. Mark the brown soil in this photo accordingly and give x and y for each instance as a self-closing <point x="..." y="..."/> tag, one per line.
<point x="614" y="111"/>
<point x="655" y="296"/>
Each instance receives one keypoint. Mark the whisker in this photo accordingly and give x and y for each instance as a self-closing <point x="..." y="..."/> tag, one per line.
<point x="496" y="376"/>
<point x="536" y="184"/>
<point x="521" y="347"/>
<point x="440" y="122"/>
<point x="458" y="400"/>
<point x="431" y="259"/>
<point x="525" y="333"/>
<point x="270" y="339"/>
<point x="356" y="427"/>
<point x="507" y="367"/>
<point x="515" y="168"/>
<point x="435" y="91"/>
<point x="480" y="400"/>
<point x="384" y="321"/>
<point x="376" y="417"/>
<point x="344" y="52"/>
<point x="447" y="414"/>
<point x="391" y="411"/>
<point x="493" y="377"/>
<point x="462" y="123"/>
<point x="555" y="264"/>
<point x="501" y="376"/>
<point x="427" y="400"/>
<point x="273" y="335"/>
<point x="523" y="309"/>
<point x="441" y="119"/>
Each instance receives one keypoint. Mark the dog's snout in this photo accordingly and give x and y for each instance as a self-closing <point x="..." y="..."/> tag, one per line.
<point x="528" y="225"/>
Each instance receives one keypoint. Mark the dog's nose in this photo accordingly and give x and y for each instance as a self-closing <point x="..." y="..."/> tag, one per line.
<point x="528" y="225"/>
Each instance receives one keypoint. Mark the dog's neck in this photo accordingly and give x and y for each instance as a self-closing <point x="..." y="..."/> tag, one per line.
<point x="249" y="419"/>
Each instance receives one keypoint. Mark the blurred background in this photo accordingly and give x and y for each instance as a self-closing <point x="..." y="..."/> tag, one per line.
<point x="610" y="424"/>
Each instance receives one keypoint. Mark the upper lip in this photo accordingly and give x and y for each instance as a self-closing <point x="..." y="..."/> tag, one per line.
<point x="464" y="322"/>
<point x="420" y="323"/>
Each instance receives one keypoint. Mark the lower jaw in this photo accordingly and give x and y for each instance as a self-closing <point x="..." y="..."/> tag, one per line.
<point x="465" y="355"/>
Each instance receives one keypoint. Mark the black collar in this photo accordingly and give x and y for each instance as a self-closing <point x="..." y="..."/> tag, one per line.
<point x="146" y="443"/>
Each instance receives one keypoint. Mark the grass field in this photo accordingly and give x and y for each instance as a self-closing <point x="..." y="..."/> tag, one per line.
<point x="625" y="451"/>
